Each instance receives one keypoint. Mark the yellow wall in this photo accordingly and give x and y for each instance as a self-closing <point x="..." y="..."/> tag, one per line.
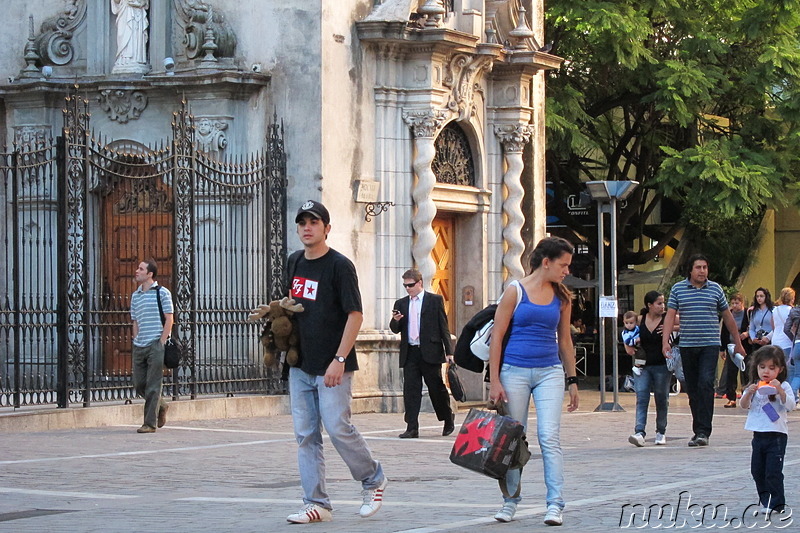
<point x="787" y="247"/>
<point x="761" y="270"/>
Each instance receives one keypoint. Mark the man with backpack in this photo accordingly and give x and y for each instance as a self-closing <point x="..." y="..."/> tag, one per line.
<point x="150" y="335"/>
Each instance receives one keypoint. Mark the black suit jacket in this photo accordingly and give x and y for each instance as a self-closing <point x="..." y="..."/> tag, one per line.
<point x="434" y="335"/>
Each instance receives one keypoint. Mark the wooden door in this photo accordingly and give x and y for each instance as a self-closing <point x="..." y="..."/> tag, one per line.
<point x="443" y="254"/>
<point x="137" y="225"/>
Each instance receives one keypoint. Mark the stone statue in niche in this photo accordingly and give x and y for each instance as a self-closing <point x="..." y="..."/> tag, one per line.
<point x="210" y="136"/>
<point x="132" y="27"/>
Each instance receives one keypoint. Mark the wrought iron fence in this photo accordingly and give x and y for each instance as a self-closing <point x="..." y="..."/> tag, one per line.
<point x="81" y="212"/>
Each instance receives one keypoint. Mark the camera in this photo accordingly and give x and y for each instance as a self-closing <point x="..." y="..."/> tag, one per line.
<point x="760" y="334"/>
<point x="169" y="66"/>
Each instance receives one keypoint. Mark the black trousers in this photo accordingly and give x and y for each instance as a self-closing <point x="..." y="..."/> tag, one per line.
<point x="699" y="369"/>
<point x="414" y="371"/>
<point x="766" y="466"/>
<point x="732" y="373"/>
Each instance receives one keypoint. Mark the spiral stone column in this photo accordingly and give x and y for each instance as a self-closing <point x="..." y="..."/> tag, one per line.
<point x="513" y="137"/>
<point x="424" y="124"/>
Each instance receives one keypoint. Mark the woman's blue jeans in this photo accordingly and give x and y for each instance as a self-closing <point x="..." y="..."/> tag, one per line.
<point x="794" y="369"/>
<point x="546" y="385"/>
<point x="655" y="379"/>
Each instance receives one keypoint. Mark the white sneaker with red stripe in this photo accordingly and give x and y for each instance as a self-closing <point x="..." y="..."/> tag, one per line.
<point x="373" y="499"/>
<point x="310" y="513"/>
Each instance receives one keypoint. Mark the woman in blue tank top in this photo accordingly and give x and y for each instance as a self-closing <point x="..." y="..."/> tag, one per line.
<point x="538" y="352"/>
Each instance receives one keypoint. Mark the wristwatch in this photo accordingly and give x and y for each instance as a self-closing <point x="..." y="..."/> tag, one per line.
<point x="340" y="358"/>
<point x="572" y="380"/>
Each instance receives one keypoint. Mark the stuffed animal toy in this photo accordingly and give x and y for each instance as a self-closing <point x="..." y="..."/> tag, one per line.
<point x="279" y="334"/>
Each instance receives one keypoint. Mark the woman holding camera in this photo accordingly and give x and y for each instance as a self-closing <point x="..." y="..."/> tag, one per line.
<point x="761" y="322"/>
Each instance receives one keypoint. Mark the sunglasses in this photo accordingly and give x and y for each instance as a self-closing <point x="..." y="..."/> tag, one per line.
<point x="409" y="285"/>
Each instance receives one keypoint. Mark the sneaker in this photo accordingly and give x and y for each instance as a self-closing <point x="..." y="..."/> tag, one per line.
<point x="661" y="439"/>
<point x="162" y="414"/>
<point x="506" y="513"/>
<point x="636" y="371"/>
<point x="637" y="439"/>
<point x="700" y="440"/>
<point x="554" y="517"/>
<point x="373" y="499"/>
<point x="146" y="429"/>
<point x="310" y="513"/>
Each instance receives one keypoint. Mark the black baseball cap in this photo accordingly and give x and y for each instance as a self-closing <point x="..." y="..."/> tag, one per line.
<point x="313" y="208"/>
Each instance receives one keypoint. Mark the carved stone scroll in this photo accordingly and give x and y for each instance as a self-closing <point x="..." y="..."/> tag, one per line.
<point x="54" y="42"/>
<point x="122" y="105"/>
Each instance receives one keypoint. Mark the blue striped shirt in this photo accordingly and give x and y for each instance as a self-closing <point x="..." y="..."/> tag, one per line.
<point x="144" y="310"/>
<point x="699" y="312"/>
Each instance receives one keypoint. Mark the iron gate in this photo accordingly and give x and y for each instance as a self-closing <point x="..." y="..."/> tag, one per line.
<point x="81" y="212"/>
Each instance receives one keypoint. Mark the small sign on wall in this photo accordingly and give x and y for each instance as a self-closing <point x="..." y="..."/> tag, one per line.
<point x="367" y="191"/>
<point x="468" y="295"/>
<point x="608" y="307"/>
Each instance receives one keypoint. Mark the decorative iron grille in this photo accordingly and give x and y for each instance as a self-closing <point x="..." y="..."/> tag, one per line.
<point x="453" y="160"/>
<point x="82" y="212"/>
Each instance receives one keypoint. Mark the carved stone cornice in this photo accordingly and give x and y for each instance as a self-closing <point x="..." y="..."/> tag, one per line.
<point x="389" y="51"/>
<point x="462" y="76"/>
<point x="54" y="42"/>
<point x="425" y="122"/>
<point x="122" y="105"/>
<point x="513" y="137"/>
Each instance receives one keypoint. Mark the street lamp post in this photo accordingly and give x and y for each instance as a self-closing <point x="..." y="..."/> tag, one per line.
<point x="606" y="194"/>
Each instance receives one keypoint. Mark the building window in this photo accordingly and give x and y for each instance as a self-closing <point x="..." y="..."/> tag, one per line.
<point x="453" y="161"/>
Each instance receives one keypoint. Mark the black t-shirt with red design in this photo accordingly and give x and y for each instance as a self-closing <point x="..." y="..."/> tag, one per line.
<point x="328" y="289"/>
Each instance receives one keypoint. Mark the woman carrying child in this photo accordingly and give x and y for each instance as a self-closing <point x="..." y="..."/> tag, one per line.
<point x="654" y="376"/>
<point x="768" y="397"/>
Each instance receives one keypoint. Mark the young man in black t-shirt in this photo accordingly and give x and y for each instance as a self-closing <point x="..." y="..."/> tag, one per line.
<point x="325" y="282"/>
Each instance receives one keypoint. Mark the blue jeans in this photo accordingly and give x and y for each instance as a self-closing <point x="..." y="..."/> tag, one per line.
<point x="547" y="387"/>
<point x="794" y="369"/>
<point x="315" y="405"/>
<point x="655" y="379"/>
<point x="700" y="368"/>
<point x="766" y="466"/>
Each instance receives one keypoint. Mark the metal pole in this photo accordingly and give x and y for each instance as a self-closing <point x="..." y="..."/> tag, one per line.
<point x="614" y="275"/>
<point x="62" y="327"/>
<point x="15" y="277"/>
<point x="601" y="291"/>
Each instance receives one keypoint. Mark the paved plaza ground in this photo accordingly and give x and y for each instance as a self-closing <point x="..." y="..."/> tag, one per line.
<point x="240" y="475"/>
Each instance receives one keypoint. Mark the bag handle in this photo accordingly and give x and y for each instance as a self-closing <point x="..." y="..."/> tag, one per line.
<point x="161" y="309"/>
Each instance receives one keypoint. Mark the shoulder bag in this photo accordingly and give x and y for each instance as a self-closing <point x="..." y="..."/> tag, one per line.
<point x="173" y="352"/>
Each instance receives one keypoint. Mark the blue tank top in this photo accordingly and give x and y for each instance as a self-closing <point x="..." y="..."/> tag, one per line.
<point x="533" y="342"/>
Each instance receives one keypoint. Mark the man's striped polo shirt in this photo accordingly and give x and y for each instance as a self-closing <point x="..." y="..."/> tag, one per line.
<point x="144" y="310"/>
<point x="699" y="310"/>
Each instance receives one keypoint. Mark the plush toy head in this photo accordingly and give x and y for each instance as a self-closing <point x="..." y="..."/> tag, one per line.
<point x="278" y="335"/>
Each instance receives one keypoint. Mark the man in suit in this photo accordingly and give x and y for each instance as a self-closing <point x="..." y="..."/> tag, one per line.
<point x="424" y="346"/>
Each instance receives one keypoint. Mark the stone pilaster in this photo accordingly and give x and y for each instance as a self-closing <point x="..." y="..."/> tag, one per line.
<point x="513" y="137"/>
<point x="425" y="124"/>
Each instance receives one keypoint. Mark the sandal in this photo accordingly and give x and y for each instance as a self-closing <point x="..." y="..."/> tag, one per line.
<point x="730" y="404"/>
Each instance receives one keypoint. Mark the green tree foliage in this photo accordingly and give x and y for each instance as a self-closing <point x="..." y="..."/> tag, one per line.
<point x="697" y="100"/>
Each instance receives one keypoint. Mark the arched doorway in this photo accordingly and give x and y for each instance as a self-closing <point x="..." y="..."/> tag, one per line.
<point x="136" y="210"/>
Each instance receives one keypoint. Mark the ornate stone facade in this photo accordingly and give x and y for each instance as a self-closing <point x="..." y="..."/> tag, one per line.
<point x="365" y="89"/>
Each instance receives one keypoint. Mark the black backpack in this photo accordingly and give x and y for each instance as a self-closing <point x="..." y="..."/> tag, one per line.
<point x="462" y="353"/>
